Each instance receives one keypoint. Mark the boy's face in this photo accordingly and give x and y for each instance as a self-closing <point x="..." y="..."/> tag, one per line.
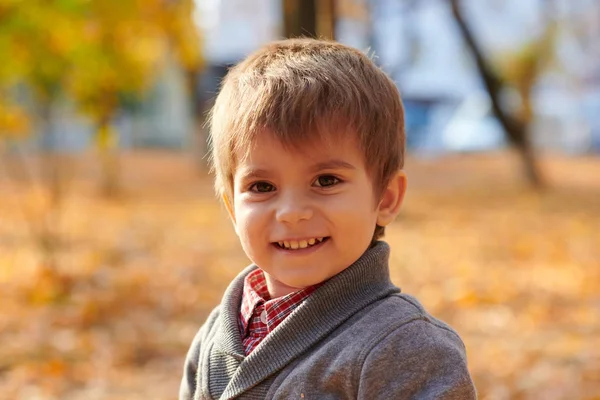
<point x="303" y="216"/>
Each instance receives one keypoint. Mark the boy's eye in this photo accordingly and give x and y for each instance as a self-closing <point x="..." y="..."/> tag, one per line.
<point x="326" y="180"/>
<point x="262" y="187"/>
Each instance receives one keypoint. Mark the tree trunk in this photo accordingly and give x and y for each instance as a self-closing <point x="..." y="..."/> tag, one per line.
<point x="51" y="166"/>
<point x="47" y="236"/>
<point x="106" y="144"/>
<point x="309" y="18"/>
<point x="515" y="130"/>
<point x="199" y="134"/>
<point x="325" y="19"/>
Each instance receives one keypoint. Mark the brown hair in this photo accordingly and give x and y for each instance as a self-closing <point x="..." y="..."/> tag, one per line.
<point x="294" y="88"/>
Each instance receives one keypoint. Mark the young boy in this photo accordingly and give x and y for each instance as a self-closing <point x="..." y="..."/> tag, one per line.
<point x="308" y="149"/>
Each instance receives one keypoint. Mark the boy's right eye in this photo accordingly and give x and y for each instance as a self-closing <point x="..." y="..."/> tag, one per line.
<point x="262" y="187"/>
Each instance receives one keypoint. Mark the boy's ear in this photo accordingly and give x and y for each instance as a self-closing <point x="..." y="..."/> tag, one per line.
<point x="391" y="199"/>
<point x="230" y="210"/>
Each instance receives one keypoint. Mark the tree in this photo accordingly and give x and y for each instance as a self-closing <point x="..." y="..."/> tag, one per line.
<point x="37" y="40"/>
<point x="124" y="47"/>
<point x="97" y="53"/>
<point x="515" y="127"/>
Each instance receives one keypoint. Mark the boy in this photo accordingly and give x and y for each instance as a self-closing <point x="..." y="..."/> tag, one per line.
<point x="308" y="149"/>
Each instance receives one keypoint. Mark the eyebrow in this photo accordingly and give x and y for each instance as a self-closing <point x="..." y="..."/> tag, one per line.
<point x="253" y="173"/>
<point x="332" y="164"/>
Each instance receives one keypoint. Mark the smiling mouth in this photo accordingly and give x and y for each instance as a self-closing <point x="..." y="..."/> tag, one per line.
<point x="300" y="244"/>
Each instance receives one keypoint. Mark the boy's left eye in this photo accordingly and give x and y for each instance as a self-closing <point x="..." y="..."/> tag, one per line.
<point x="326" y="180"/>
<point x="262" y="187"/>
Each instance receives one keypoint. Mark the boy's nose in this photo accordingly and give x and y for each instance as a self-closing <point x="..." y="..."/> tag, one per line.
<point x="292" y="211"/>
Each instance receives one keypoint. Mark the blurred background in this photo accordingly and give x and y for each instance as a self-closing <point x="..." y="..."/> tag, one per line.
<point x="113" y="248"/>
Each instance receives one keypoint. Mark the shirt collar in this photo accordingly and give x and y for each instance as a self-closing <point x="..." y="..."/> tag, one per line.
<point x="255" y="294"/>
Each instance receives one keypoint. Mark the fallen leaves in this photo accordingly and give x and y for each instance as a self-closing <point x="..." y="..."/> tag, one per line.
<point x="516" y="273"/>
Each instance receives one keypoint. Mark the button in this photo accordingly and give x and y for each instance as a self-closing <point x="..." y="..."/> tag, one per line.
<point x="263" y="317"/>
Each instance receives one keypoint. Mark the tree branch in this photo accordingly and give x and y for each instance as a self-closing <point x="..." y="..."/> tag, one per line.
<point x="515" y="130"/>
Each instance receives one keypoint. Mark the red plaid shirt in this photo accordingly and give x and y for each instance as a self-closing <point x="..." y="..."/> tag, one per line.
<point x="259" y="315"/>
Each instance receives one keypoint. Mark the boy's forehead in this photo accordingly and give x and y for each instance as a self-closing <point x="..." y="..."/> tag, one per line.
<point x="309" y="146"/>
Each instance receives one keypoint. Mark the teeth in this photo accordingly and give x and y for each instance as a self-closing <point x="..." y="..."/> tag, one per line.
<point x="299" y="244"/>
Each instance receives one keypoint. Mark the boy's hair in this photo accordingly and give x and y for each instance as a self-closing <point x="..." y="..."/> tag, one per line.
<point x="300" y="90"/>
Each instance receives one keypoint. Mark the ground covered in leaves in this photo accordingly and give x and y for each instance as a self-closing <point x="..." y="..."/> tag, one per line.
<point x="516" y="272"/>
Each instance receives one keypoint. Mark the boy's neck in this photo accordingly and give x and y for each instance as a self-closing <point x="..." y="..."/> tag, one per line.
<point x="278" y="289"/>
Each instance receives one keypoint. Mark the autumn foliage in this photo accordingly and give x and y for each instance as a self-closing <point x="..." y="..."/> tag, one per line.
<point x="95" y="54"/>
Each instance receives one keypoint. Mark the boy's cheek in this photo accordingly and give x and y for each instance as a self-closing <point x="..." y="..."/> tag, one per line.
<point x="244" y="225"/>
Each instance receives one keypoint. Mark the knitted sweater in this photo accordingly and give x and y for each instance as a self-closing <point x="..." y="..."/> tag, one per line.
<point x="355" y="337"/>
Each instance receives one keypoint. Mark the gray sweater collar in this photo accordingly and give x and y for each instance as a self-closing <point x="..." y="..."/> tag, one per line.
<point x="364" y="282"/>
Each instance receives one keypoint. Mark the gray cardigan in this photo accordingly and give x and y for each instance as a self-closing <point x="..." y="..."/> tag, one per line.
<point x="355" y="337"/>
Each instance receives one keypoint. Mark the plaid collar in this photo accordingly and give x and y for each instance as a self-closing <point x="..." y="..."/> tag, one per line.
<point x="259" y="314"/>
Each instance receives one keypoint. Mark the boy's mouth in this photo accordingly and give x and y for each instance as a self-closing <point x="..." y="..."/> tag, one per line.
<point x="300" y="244"/>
